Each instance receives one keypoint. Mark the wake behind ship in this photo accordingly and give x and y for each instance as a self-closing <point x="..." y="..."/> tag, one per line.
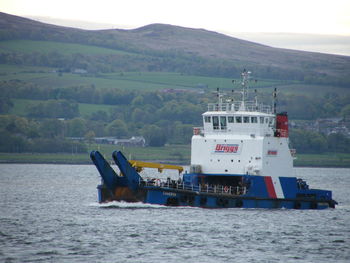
<point x="239" y="158"/>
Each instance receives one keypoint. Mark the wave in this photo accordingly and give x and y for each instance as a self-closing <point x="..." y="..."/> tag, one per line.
<point x="127" y="205"/>
<point x="137" y="205"/>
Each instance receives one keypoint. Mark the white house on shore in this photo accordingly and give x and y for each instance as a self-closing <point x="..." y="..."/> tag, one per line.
<point x="133" y="141"/>
<point x="138" y="141"/>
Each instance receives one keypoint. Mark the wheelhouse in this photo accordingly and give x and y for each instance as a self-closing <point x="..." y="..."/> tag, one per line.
<point x="238" y="122"/>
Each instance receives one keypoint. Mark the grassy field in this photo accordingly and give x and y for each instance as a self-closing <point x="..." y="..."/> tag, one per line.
<point x="126" y="81"/>
<point x="86" y="109"/>
<point x="7" y="69"/>
<point x="323" y="160"/>
<point x="311" y="90"/>
<point x="151" y="81"/>
<point x="183" y="81"/>
<point x="178" y="154"/>
<point x="20" y="106"/>
<point x="145" y="81"/>
<point x="31" y="46"/>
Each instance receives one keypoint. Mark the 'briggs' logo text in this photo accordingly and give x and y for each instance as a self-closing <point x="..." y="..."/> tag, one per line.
<point x="272" y="152"/>
<point x="226" y="148"/>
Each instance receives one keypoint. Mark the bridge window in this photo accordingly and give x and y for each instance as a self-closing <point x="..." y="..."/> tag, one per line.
<point x="261" y="119"/>
<point x="238" y="119"/>
<point x="246" y="119"/>
<point x="223" y="122"/>
<point x="215" y="122"/>
<point x="207" y="119"/>
<point x="254" y="119"/>
<point x="230" y="119"/>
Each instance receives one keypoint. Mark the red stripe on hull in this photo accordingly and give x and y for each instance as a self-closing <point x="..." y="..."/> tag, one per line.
<point x="270" y="188"/>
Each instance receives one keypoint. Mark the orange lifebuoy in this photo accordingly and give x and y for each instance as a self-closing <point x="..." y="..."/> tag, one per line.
<point x="226" y="189"/>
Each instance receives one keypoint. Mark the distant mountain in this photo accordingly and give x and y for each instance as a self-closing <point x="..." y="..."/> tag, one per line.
<point x="212" y="45"/>
<point x="330" y="44"/>
<point x="160" y="47"/>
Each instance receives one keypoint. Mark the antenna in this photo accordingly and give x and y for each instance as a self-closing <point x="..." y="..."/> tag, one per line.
<point x="233" y="91"/>
<point x="245" y="80"/>
<point x="219" y="97"/>
<point x="275" y="101"/>
<point x="218" y="94"/>
<point x="245" y="85"/>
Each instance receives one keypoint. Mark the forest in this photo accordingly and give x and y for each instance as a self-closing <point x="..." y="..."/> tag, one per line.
<point x="52" y="116"/>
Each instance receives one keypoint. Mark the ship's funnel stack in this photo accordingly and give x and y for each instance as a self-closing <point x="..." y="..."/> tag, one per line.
<point x="282" y="125"/>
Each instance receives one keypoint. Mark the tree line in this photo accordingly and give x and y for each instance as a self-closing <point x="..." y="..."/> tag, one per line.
<point x="21" y="134"/>
<point x="313" y="142"/>
<point x="299" y="107"/>
<point x="158" y="116"/>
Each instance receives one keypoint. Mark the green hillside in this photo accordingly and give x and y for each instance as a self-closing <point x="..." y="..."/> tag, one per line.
<point x="48" y="77"/>
<point x="21" y="105"/>
<point x="161" y="48"/>
<point x="30" y="46"/>
<point x="151" y="81"/>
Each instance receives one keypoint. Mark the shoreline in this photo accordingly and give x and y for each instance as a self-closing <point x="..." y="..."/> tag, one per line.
<point x="328" y="160"/>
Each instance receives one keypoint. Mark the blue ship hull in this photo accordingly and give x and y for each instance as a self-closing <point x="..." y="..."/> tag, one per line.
<point x="201" y="190"/>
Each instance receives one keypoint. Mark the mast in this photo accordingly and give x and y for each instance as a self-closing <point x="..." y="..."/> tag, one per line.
<point x="220" y="98"/>
<point x="245" y="85"/>
<point x="275" y="101"/>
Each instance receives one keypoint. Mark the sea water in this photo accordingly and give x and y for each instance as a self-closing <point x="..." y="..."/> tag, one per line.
<point x="49" y="213"/>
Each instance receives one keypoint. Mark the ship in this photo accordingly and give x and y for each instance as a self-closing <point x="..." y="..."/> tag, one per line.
<point x="240" y="158"/>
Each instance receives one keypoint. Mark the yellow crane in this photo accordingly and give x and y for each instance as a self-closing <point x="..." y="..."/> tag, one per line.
<point x="139" y="165"/>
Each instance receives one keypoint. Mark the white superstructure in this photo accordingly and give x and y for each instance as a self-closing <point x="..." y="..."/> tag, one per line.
<point x="241" y="138"/>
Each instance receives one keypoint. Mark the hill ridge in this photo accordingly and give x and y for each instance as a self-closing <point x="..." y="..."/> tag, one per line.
<point x="189" y="50"/>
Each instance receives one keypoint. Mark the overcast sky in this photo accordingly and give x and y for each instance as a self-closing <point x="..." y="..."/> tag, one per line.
<point x="297" y="16"/>
<point x="226" y="16"/>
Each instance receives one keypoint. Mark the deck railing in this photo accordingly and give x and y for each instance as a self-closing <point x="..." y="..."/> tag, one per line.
<point x="236" y="106"/>
<point x="213" y="189"/>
